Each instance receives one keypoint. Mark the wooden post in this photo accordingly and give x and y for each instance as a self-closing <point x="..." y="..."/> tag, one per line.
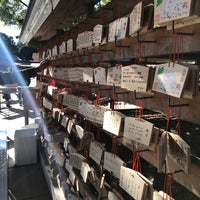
<point x="26" y="115"/>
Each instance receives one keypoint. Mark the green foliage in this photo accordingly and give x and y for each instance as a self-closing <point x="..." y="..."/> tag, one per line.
<point x="12" y="12"/>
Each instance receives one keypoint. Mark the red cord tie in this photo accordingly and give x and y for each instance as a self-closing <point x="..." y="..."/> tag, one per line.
<point x="178" y="125"/>
<point x="98" y="135"/>
<point x="139" y="110"/>
<point x="136" y="162"/>
<point x="169" y="117"/>
<point x="98" y="97"/>
<point x="168" y="185"/>
<point x="86" y="156"/>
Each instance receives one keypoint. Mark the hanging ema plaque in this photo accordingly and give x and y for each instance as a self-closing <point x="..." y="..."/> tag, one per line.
<point x="168" y="10"/>
<point x="170" y="79"/>
<point x="135" y="19"/>
<point x="179" y="151"/>
<point x="135" y="78"/>
<point x="138" y="130"/>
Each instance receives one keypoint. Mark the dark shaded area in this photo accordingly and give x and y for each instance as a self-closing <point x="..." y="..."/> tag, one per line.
<point x="28" y="182"/>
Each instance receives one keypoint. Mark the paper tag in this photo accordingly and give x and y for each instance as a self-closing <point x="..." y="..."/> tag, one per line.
<point x="83" y="106"/>
<point x="88" y="74"/>
<point x="112" y="122"/>
<point x="100" y="75"/>
<point x="97" y="35"/>
<point x="179" y="151"/>
<point x="79" y="130"/>
<point x="135" y="78"/>
<point x="138" y="130"/>
<point x="85" y="169"/>
<point x="74" y="102"/>
<point x="132" y="183"/>
<point x="69" y="126"/>
<point x="76" y="160"/>
<point x="66" y="142"/>
<point x="135" y="18"/>
<point x="64" y="121"/>
<point x="96" y="152"/>
<point x="72" y="176"/>
<point x="114" y="75"/>
<point x="112" y="163"/>
<point x="162" y="149"/>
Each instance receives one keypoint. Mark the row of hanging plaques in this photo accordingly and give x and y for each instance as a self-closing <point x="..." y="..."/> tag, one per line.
<point x="141" y="188"/>
<point x="134" y="129"/>
<point x="169" y="78"/>
<point x="166" y="11"/>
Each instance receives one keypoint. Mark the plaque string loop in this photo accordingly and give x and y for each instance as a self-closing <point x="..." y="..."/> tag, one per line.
<point x="168" y="185"/>
<point x="136" y="162"/>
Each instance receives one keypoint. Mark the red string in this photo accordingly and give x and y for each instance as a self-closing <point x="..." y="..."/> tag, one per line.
<point x="98" y="97"/>
<point x="86" y="156"/>
<point x="88" y="93"/>
<point x="169" y="117"/>
<point x="177" y="48"/>
<point x="52" y="83"/>
<point x="136" y="162"/>
<point x="57" y="104"/>
<point x="98" y="135"/>
<point x="168" y="185"/>
<point x="139" y="109"/>
<point x="140" y="53"/>
<point x="115" y="100"/>
<point x="178" y="125"/>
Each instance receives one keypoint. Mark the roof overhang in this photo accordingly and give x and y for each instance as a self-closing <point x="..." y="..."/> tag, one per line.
<point x="45" y="18"/>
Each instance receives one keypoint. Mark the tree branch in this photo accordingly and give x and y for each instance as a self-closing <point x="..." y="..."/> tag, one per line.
<point x="23" y="3"/>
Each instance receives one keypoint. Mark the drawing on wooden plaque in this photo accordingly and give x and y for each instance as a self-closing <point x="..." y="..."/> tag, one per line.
<point x="135" y="19"/>
<point x="100" y="75"/>
<point x="82" y="106"/>
<point x="170" y="79"/>
<point x="179" y="151"/>
<point x="168" y="10"/>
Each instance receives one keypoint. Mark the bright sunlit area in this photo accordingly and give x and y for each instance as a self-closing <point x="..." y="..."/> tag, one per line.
<point x="11" y="30"/>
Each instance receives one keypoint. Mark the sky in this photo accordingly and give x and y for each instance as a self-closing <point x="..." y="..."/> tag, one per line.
<point x="10" y="30"/>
